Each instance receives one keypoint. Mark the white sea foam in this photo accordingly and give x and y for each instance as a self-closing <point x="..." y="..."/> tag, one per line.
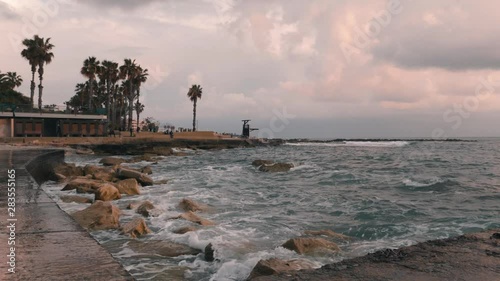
<point x="432" y="181"/>
<point x="354" y="144"/>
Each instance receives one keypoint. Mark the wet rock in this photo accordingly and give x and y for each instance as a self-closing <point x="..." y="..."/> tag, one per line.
<point x="83" y="182"/>
<point x="131" y="174"/>
<point x="107" y="192"/>
<point x="136" y="228"/>
<point x="160" y="150"/>
<point x="185" y="229"/>
<point x="146" y="209"/>
<point x="276" y="266"/>
<point x="192" y="217"/>
<point x="495" y="235"/>
<point x="91" y="169"/>
<point x="99" y="216"/>
<point x="68" y="170"/>
<point x="209" y="252"/>
<point x="147" y="170"/>
<point x="112" y="161"/>
<point x="75" y="199"/>
<point x="327" y="233"/>
<point x="158" y="182"/>
<point x="104" y="176"/>
<point x="84" y="151"/>
<point x="276" y="167"/>
<point x="190" y="205"/>
<point x="60" y="177"/>
<point x="180" y="154"/>
<point x="128" y="187"/>
<point x="161" y="248"/>
<point x="303" y="245"/>
<point x="258" y="163"/>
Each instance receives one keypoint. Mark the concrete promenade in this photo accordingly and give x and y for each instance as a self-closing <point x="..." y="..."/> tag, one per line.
<point x="49" y="244"/>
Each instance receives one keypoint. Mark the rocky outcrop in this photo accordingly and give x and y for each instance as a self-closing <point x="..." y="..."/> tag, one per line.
<point x="99" y="216"/>
<point x="209" y="252"/>
<point x="107" y="192"/>
<point x="327" y="233"/>
<point x="112" y="161"/>
<point x="143" y="179"/>
<point x="276" y="167"/>
<point x="75" y="199"/>
<point x="161" y="248"/>
<point x="68" y="170"/>
<point x="135" y="228"/>
<point x="185" y="229"/>
<point x="83" y="182"/>
<point x="276" y="266"/>
<point x="189" y="205"/>
<point x="128" y="187"/>
<point x="306" y="245"/>
<point x="192" y="217"/>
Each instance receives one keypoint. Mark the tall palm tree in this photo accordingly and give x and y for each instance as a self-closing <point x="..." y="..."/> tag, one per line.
<point x="128" y="71"/>
<point x="139" y="108"/>
<point x="81" y="91"/>
<point x="109" y="73"/>
<point x="43" y="56"/>
<point x="194" y="94"/>
<point x="90" y="69"/>
<point x="30" y="54"/>
<point x="13" y="80"/>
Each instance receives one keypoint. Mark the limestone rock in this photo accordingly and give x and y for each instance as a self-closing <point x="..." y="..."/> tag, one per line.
<point x="145" y="209"/>
<point x="276" y="266"/>
<point x="112" y="161"/>
<point x="185" y="229"/>
<point x="328" y="233"/>
<point x="303" y="245"/>
<point x="99" y="216"/>
<point x="128" y="186"/>
<point x="68" y="170"/>
<point x="83" y="182"/>
<point x="258" y="163"/>
<point x="75" y="199"/>
<point x="107" y="192"/>
<point x="192" y="217"/>
<point x="190" y="205"/>
<point x="136" y="228"/>
<point x="161" y="248"/>
<point x="147" y="170"/>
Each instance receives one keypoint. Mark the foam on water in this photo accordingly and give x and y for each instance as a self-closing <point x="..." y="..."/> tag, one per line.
<point x="353" y="143"/>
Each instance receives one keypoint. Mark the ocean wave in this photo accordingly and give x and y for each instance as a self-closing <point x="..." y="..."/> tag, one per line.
<point x="427" y="183"/>
<point x="353" y="143"/>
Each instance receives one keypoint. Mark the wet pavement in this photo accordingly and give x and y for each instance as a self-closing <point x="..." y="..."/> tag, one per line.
<point x="49" y="244"/>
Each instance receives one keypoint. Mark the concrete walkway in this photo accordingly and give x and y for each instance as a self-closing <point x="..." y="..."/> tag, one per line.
<point x="49" y="244"/>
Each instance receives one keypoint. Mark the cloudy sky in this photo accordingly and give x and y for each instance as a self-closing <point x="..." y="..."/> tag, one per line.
<point x="297" y="68"/>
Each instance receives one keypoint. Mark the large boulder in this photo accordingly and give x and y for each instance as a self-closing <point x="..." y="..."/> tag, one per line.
<point x="258" y="163"/>
<point x="192" y="217"/>
<point x="75" y="199"/>
<point x="276" y="167"/>
<point x="155" y="248"/>
<point x="99" y="216"/>
<point x="68" y="170"/>
<point x="135" y="228"/>
<point x="83" y="182"/>
<point x="91" y="169"/>
<point x="107" y="192"/>
<point x="190" y="205"/>
<point x="276" y="266"/>
<point x="327" y="233"/>
<point x="146" y="170"/>
<point x="304" y="245"/>
<point x="146" y="209"/>
<point x="143" y="179"/>
<point x="128" y="187"/>
<point x="112" y="161"/>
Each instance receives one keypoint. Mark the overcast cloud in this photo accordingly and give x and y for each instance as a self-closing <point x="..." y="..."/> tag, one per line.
<point x="256" y="58"/>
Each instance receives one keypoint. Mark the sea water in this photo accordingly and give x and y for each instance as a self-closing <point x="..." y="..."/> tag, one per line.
<point x="382" y="194"/>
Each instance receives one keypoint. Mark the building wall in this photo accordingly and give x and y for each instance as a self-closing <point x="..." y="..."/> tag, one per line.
<point x="5" y="127"/>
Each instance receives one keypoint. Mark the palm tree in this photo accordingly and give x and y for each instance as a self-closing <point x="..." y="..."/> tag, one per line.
<point x="194" y="94"/>
<point x="81" y="91"/>
<point x="30" y="54"/>
<point x="139" y="107"/>
<point x="90" y="69"/>
<point x="43" y="56"/>
<point x="109" y="73"/>
<point x="128" y="71"/>
<point x="13" y="80"/>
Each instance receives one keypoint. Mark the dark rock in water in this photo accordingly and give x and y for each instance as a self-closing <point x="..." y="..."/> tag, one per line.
<point x="68" y="170"/>
<point x="112" y="161"/>
<point x="495" y="235"/>
<point x="190" y="205"/>
<point x="258" y="163"/>
<point x="310" y="245"/>
<point x="161" y="248"/>
<point x="143" y="179"/>
<point x="147" y="170"/>
<point x="135" y="228"/>
<point x="185" y="229"/>
<point x="276" y="167"/>
<point x="145" y="208"/>
<point x="276" y="266"/>
<point x="209" y="252"/>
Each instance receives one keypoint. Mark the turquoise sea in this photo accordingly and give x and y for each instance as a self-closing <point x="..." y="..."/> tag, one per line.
<point x="382" y="194"/>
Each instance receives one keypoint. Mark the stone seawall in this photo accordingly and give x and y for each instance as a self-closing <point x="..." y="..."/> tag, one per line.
<point x="41" y="167"/>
